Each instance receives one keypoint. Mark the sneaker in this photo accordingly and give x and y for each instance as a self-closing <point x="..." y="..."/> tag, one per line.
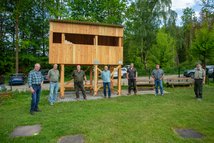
<point x="156" y="94"/>
<point x="51" y="103"/>
<point x="77" y="99"/>
<point x="109" y="97"/>
<point x="199" y="99"/>
<point x="104" y="96"/>
<point x="162" y="94"/>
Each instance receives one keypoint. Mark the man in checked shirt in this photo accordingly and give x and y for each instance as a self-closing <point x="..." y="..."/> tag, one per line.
<point x="35" y="81"/>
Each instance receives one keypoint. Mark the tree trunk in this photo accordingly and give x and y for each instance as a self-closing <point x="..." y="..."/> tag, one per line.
<point x="17" y="43"/>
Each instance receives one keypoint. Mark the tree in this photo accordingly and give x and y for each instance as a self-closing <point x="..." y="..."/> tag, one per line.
<point x="203" y="44"/>
<point x="144" y="19"/>
<point x="163" y="51"/>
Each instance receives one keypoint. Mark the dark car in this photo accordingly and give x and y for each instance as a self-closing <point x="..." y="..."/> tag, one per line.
<point x="45" y="75"/>
<point x="189" y="73"/>
<point x="17" y="79"/>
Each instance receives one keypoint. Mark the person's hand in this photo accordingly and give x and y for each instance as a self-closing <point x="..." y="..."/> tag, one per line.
<point x="32" y="90"/>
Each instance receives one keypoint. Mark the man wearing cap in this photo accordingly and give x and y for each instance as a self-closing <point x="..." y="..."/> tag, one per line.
<point x="79" y="76"/>
<point x="35" y="81"/>
<point x="53" y="76"/>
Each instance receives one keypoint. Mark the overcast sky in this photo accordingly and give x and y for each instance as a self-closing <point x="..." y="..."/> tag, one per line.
<point x="179" y="5"/>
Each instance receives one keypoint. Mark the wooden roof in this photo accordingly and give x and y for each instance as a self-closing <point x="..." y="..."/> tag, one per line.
<point x="85" y="23"/>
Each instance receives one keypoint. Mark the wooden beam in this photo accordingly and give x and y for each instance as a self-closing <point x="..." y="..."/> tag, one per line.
<point x="119" y="80"/>
<point x="91" y="77"/>
<point x="62" y="89"/>
<point x="95" y="79"/>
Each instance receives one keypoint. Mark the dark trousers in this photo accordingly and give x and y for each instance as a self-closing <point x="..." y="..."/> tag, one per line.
<point x="109" y="88"/>
<point x="132" y="83"/>
<point x="35" y="97"/>
<point x="79" y="86"/>
<point x="198" y="88"/>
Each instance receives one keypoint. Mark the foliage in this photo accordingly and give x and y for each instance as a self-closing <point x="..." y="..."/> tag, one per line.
<point x="203" y="44"/>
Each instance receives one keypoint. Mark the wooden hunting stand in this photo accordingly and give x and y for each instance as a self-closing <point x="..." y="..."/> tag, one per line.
<point x="88" y="44"/>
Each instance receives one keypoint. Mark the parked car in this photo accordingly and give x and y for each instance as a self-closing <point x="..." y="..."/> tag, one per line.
<point x="17" y="79"/>
<point x="210" y="71"/>
<point x="123" y="73"/>
<point x="45" y="75"/>
<point x="189" y="73"/>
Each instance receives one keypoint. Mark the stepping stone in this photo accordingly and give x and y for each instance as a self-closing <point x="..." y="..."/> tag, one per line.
<point x="72" y="139"/>
<point x="188" y="133"/>
<point x="23" y="131"/>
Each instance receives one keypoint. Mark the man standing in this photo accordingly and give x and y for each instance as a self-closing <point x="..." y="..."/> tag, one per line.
<point x="131" y="76"/>
<point x="106" y="76"/>
<point x="79" y="76"/>
<point x="53" y="77"/>
<point x="35" y="80"/>
<point x="157" y="75"/>
<point x="199" y="78"/>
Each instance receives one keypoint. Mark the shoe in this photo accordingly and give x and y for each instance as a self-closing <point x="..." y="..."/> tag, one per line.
<point x="77" y="99"/>
<point x="156" y="95"/>
<point x="135" y="93"/>
<point x="162" y="94"/>
<point x="38" y="110"/>
<point x="109" y="97"/>
<point x="51" y="103"/>
<point x="31" y="112"/>
<point x="104" y="96"/>
<point x="199" y="99"/>
<point x="129" y="94"/>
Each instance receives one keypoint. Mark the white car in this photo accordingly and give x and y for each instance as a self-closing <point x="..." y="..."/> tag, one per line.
<point x="123" y="73"/>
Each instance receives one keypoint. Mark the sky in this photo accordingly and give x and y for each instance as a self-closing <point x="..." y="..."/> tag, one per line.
<point x="179" y="5"/>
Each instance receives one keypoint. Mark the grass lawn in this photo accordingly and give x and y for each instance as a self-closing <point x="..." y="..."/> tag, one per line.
<point x="125" y="119"/>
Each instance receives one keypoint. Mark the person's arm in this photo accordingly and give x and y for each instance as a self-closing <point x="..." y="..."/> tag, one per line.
<point x="153" y="74"/>
<point x="85" y="77"/>
<point x="162" y="74"/>
<point x="204" y="76"/>
<point x="135" y="74"/>
<point x="30" y="82"/>
<point x="48" y="76"/>
<point x="127" y="74"/>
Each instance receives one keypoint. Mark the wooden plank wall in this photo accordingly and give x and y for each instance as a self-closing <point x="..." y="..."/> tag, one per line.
<point x="86" y="54"/>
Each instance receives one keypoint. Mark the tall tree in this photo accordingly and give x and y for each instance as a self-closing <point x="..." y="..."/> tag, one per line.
<point x="203" y="45"/>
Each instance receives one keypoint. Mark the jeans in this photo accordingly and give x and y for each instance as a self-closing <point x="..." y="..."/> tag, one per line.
<point x="35" y="97"/>
<point x="158" y="83"/>
<point x="132" y="83"/>
<point x="198" y="85"/>
<point x="53" y="92"/>
<point x="109" y="88"/>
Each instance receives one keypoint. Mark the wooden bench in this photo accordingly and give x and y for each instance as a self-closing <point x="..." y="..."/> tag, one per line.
<point x="145" y="84"/>
<point x="172" y="82"/>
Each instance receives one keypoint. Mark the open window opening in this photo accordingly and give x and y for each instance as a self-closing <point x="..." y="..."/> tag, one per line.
<point x="79" y="39"/>
<point x="57" y="37"/>
<point x="108" y="41"/>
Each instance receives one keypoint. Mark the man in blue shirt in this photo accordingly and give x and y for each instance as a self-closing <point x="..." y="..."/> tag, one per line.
<point x="157" y="75"/>
<point x="106" y="76"/>
<point x="35" y="81"/>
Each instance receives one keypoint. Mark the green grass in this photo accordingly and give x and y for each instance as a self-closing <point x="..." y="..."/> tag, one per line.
<point x="132" y="119"/>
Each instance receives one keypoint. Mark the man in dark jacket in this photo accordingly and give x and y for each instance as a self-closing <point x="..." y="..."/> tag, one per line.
<point x="131" y="76"/>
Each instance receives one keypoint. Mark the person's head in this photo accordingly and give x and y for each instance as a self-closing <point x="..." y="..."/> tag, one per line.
<point x="55" y="66"/>
<point x="78" y="67"/>
<point x="198" y="66"/>
<point x="157" y="66"/>
<point x="131" y="65"/>
<point x="106" y="68"/>
<point x="37" y="67"/>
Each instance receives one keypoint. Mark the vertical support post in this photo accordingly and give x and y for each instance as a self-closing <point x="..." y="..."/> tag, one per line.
<point x="91" y="77"/>
<point x="119" y="80"/>
<point x="112" y="79"/>
<point x="62" y="89"/>
<point x="95" y="79"/>
<point x="63" y="38"/>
